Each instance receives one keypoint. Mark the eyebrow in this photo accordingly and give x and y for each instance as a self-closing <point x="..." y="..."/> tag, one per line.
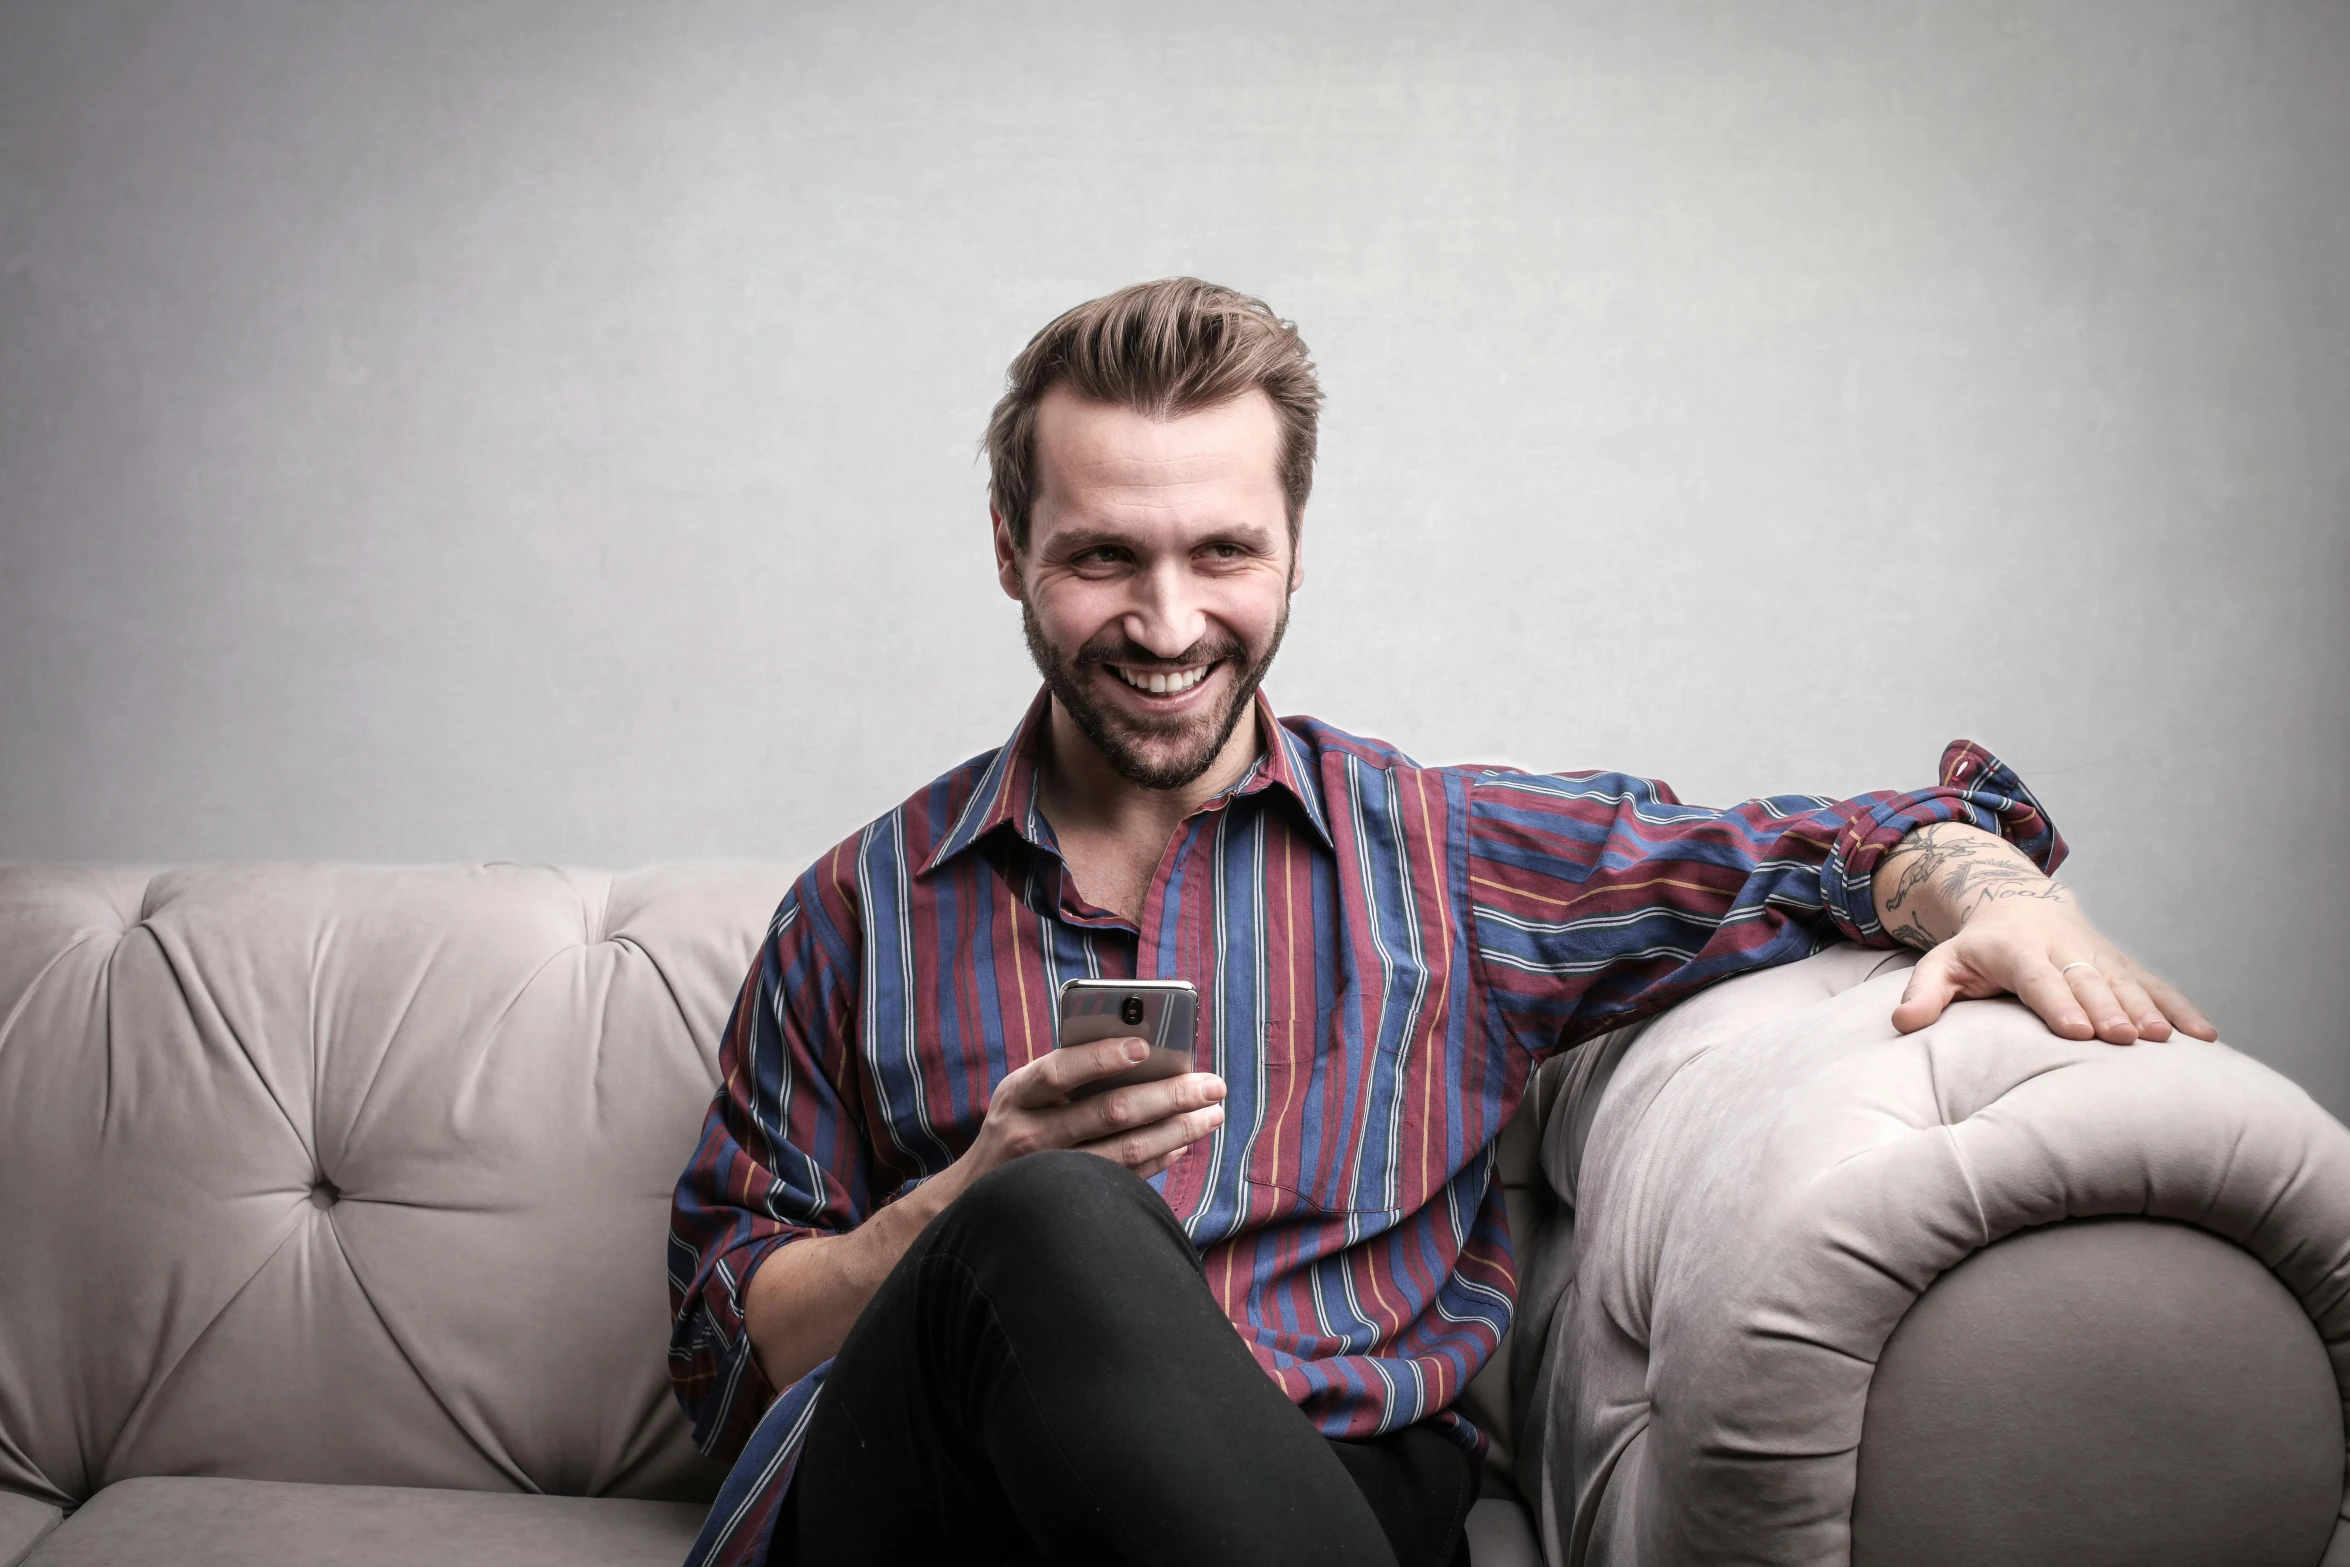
<point x="1077" y="541"/>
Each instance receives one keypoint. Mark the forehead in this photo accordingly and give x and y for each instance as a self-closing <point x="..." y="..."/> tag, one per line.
<point x="1103" y="463"/>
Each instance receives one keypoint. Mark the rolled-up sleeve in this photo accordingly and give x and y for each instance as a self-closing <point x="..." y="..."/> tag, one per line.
<point x="1597" y="899"/>
<point x="1976" y="788"/>
<point x="782" y="1156"/>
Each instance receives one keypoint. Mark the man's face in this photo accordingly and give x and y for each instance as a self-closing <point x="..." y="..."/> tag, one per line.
<point x="1156" y="581"/>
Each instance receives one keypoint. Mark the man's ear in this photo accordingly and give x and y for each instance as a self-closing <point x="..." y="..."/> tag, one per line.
<point x="1007" y="559"/>
<point x="1297" y="557"/>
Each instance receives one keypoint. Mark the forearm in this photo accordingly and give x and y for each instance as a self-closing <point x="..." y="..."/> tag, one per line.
<point x="1940" y="875"/>
<point x="805" y="1297"/>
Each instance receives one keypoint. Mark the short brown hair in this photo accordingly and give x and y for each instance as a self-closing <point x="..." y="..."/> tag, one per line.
<point x="1162" y="349"/>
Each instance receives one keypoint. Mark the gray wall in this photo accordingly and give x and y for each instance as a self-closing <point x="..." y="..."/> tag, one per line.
<point x="547" y="430"/>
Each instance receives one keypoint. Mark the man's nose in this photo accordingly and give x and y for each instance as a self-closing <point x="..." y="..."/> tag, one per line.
<point x="1167" y="614"/>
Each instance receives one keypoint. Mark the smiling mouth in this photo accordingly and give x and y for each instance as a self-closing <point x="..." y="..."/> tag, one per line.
<point x="1162" y="682"/>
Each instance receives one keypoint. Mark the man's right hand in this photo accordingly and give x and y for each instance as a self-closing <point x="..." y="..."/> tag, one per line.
<point x="804" y="1298"/>
<point x="1143" y="1126"/>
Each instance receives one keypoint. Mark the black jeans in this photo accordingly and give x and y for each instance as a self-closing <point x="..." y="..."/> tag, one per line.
<point x="1045" y="1377"/>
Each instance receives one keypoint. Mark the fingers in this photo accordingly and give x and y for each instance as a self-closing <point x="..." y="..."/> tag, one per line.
<point x="2095" y="995"/>
<point x="1141" y="1125"/>
<point x="1164" y="1162"/>
<point x="2183" y="1014"/>
<point x="2051" y="994"/>
<point x="1142" y="1104"/>
<point x="1150" y="1148"/>
<point x="2080" y="984"/>
<point x="2145" y="1016"/>
<point x="1158" y="1166"/>
<point x="1049" y="1078"/>
<point x="1933" y="985"/>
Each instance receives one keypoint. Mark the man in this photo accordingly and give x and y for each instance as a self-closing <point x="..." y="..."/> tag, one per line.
<point x="944" y="1310"/>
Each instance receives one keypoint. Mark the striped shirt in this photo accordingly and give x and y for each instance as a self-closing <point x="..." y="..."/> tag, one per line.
<point x="1383" y="953"/>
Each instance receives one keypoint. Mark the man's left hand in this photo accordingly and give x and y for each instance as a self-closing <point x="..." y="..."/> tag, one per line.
<point x="2083" y="986"/>
<point x="1993" y="925"/>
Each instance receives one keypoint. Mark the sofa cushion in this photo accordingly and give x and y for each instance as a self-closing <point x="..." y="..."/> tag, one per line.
<point x="282" y="1142"/>
<point x="1501" y="1535"/>
<point x="398" y="1140"/>
<point x="247" y="1523"/>
<point x="23" y="1520"/>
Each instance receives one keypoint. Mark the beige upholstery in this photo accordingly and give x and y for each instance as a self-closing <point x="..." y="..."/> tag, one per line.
<point x="359" y="1177"/>
<point x="261" y="1523"/>
<point x="2082" y="1368"/>
<point x="500" y="1071"/>
<point x="23" y="1521"/>
<point x="1772" y="1179"/>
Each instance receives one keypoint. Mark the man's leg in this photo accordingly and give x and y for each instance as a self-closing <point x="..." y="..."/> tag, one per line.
<point x="1421" y="1488"/>
<point x="1045" y="1371"/>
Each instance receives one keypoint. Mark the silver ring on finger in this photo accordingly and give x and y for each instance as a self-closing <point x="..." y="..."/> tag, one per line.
<point x="2078" y="963"/>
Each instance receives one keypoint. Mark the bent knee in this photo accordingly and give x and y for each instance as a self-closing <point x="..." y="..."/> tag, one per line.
<point x="1044" y="1184"/>
<point x="1060" y="1203"/>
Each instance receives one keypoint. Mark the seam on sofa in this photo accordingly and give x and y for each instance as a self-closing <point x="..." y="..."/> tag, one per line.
<point x="21" y="1552"/>
<point x="504" y="1465"/>
<point x="676" y="1002"/>
<point x="485" y="1039"/>
<point x="358" y="1116"/>
<point x="196" y="1015"/>
<point x="25" y="997"/>
<point x="1844" y="1248"/>
<point x="1589" y="1495"/>
<point x="1966" y="1173"/>
<point x="162" y="1379"/>
<point x="2029" y="1078"/>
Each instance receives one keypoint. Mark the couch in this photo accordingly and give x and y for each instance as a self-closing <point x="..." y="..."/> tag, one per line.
<point x="332" y="1200"/>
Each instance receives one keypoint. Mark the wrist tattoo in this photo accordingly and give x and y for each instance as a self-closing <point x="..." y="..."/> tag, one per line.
<point x="1943" y="877"/>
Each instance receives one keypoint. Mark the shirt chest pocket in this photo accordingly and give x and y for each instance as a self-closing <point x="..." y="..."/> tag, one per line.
<point x="1315" y="1114"/>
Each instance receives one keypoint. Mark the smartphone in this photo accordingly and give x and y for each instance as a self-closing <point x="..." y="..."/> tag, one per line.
<point x="1162" y="1012"/>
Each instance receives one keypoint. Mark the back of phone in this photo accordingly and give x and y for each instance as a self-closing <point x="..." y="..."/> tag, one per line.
<point x="1164" y="1012"/>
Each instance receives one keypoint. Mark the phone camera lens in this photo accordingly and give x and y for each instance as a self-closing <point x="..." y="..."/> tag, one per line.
<point x="1132" y="1010"/>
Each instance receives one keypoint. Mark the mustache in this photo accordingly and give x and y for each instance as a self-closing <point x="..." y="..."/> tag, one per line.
<point x="1118" y="648"/>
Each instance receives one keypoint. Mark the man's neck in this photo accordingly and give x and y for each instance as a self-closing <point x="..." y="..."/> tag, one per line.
<point x="1102" y="816"/>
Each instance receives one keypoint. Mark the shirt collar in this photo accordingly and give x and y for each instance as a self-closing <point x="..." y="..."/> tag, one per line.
<point x="1006" y="793"/>
<point x="1289" y="762"/>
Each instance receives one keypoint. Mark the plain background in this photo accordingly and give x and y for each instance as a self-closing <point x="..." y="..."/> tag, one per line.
<point x="547" y="430"/>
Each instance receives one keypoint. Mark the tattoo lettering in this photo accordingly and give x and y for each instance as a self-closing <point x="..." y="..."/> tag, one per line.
<point x="1943" y="873"/>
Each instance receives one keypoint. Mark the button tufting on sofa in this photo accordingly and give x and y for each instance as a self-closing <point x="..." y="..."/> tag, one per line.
<point x="1720" y="1224"/>
<point x="516" y="1106"/>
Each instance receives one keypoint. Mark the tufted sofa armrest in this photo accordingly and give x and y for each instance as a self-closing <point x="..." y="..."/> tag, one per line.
<point x="1758" y="1188"/>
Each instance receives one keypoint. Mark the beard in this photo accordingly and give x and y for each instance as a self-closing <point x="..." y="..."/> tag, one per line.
<point x="1155" y="755"/>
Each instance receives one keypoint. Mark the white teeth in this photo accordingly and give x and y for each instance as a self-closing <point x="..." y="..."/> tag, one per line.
<point x="1163" y="684"/>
